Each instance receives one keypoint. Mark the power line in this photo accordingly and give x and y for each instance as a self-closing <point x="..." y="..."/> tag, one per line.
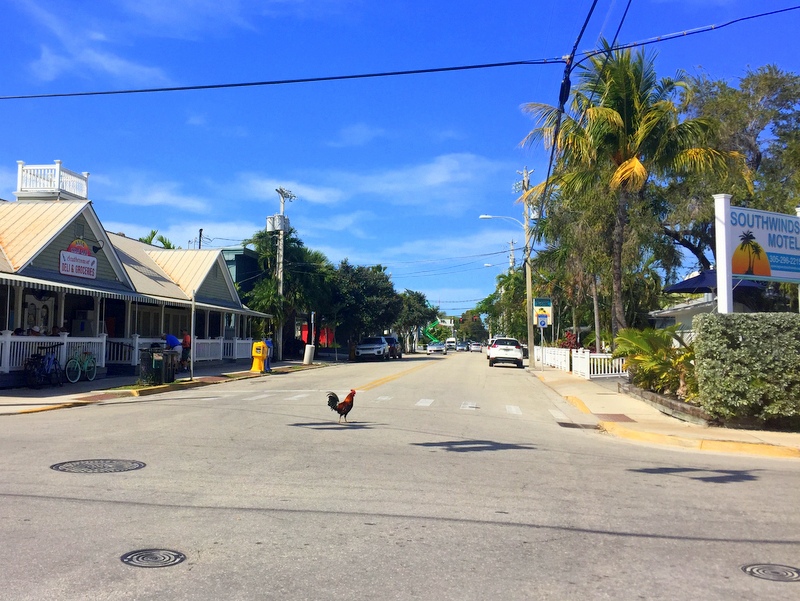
<point x="280" y="82"/>
<point x="277" y="82"/>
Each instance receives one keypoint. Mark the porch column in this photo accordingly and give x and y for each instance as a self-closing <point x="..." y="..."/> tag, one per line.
<point x="19" y="309"/>
<point x="97" y="300"/>
<point x="205" y="322"/>
<point x="127" y="326"/>
<point x="62" y="299"/>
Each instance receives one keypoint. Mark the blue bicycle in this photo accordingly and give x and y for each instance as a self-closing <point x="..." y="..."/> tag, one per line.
<point x="43" y="367"/>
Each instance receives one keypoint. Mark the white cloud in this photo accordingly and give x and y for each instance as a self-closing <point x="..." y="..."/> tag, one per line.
<point x="359" y="134"/>
<point x="145" y="190"/>
<point x="70" y="50"/>
<point x="250" y="185"/>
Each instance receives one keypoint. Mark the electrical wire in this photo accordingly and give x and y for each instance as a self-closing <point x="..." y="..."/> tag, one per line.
<point x="276" y="82"/>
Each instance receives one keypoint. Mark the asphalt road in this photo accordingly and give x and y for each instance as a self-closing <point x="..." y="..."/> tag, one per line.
<point x="452" y="480"/>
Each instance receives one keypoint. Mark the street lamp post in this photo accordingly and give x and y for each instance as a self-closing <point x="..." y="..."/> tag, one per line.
<point x="526" y="226"/>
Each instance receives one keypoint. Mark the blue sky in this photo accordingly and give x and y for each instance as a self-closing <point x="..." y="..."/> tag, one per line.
<point x="392" y="170"/>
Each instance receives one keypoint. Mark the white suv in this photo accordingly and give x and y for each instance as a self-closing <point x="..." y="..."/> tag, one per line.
<point x="507" y="350"/>
<point x="375" y="347"/>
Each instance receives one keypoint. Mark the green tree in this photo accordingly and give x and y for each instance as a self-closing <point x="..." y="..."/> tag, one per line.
<point x="416" y="313"/>
<point x="367" y="301"/>
<point x="154" y="237"/>
<point x="756" y="121"/>
<point x="623" y="129"/>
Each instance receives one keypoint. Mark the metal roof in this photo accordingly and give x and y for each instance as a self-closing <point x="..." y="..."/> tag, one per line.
<point x="26" y="226"/>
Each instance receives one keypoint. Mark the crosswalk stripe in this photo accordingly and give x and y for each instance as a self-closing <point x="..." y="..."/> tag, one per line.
<point x="513" y="409"/>
<point x="558" y="415"/>
<point x="425" y="402"/>
<point x="261" y="396"/>
<point x="297" y="397"/>
<point x="383" y="398"/>
<point x="469" y="406"/>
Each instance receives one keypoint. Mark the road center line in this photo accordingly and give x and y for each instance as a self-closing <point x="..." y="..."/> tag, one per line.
<point x="387" y="379"/>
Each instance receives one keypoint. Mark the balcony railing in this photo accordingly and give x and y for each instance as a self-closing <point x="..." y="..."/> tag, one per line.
<point x="50" y="181"/>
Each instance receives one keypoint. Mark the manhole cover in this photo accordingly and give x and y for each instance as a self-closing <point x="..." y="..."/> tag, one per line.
<point x="773" y="571"/>
<point x="98" y="466"/>
<point x="153" y="558"/>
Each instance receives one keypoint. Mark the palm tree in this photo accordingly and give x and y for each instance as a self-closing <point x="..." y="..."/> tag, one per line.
<point x="154" y="236"/>
<point x="623" y="129"/>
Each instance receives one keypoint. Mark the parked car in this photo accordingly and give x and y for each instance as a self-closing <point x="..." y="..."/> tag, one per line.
<point x="395" y="347"/>
<point x="489" y="345"/>
<point x="462" y="346"/>
<point x="374" y="347"/>
<point x="437" y="347"/>
<point x="505" y="350"/>
<point x="475" y="347"/>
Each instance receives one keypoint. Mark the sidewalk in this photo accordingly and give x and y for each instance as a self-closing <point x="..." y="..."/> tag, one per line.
<point x="626" y="417"/>
<point x="26" y="400"/>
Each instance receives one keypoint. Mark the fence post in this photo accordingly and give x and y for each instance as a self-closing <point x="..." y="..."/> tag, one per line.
<point x="135" y="353"/>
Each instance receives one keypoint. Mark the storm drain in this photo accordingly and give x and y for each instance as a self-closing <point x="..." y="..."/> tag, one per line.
<point x="772" y="571"/>
<point x="153" y="558"/>
<point x="98" y="466"/>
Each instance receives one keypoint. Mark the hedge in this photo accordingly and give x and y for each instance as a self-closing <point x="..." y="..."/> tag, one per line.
<point x="748" y="365"/>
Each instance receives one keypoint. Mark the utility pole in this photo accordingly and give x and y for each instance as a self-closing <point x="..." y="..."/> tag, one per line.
<point x="200" y="240"/>
<point x="285" y="195"/>
<point x="526" y="185"/>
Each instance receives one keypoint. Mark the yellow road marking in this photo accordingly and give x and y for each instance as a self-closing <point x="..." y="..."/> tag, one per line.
<point x="387" y="379"/>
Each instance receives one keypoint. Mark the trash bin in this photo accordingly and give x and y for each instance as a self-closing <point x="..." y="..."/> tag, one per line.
<point x="259" y="354"/>
<point x="170" y="361"/>
<point x="151" y="365"/>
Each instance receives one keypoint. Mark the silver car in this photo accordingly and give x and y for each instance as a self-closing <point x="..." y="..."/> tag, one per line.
<point x="437" y="347"/>
<point x="505" y="350"/>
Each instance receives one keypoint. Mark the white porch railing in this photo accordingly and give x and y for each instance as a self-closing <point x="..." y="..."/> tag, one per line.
<point x="597" y="365"/>
<point x="14" y="350"/>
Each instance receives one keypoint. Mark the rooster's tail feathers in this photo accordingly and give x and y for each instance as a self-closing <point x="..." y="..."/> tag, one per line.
<point x="333" y="400"/>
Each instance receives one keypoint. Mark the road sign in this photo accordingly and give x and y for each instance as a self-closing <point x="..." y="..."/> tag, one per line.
<point x="543" y="309"/>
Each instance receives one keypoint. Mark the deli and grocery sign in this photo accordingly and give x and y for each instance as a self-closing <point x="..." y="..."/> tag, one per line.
<point x="78" y="261"/>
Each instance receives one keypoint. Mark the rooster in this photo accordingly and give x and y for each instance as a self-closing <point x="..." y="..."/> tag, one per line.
<point x="341" y="407"/>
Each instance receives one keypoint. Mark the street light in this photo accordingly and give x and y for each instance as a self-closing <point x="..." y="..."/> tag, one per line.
<point x="528" y="281"/>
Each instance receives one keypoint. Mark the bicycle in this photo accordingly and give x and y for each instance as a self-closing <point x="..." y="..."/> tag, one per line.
<point x="43" y="367"/>
<point x="81" y="362"/>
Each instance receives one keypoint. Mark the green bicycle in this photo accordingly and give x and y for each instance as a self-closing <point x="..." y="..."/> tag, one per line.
<point x="81" y="362"/>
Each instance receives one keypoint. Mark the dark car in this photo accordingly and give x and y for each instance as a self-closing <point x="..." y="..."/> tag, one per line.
<point x="395" y="347"/>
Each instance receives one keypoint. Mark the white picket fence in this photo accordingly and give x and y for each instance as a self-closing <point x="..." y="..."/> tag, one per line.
<point x="581" y="362"/>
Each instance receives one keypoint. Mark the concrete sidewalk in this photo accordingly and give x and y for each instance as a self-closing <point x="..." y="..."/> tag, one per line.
<point x="626" y="417"/>
<point x="16" y="401"/>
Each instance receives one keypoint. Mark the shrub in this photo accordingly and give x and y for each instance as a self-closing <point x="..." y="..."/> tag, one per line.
<point x="658" y="360"/>
<point x="748" y="365"/>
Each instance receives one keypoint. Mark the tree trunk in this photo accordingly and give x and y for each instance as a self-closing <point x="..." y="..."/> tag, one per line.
<point x="596" y="306"/>
<point x="617" y="242"/>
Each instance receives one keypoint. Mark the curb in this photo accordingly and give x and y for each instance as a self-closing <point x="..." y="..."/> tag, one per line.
<point x="104" y="395"/>
<point x="698" y="444"/>
<point x="701" y="444"/>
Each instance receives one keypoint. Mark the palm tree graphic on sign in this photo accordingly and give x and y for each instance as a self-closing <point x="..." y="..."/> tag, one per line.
<point x="748" y="244"/>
